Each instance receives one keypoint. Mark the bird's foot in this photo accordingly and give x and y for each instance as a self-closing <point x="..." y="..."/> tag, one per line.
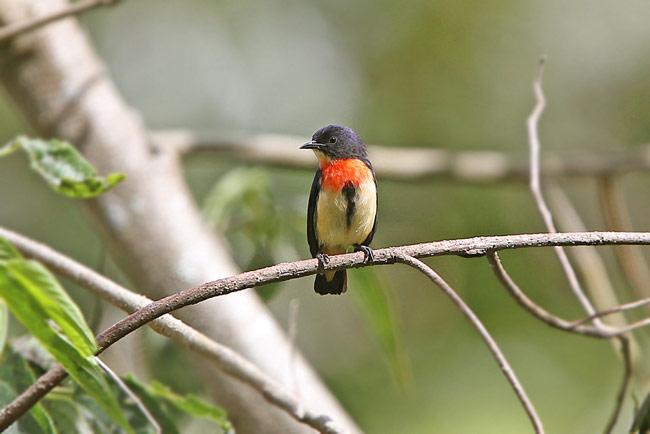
<point x="323" y="260"/>
<point x="368" y="253"/>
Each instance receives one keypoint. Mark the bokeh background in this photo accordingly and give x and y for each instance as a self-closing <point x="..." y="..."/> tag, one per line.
<point x="454" y="75"/>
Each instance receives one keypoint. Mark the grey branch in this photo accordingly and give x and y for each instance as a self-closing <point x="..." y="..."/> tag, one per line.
<point x="536" y="190"/>
<point x="485" y="335"/>
<point x="14" y="29"/>
<point x="228" y="360"/>
<point x="403" y="163"/>
<point x="467" y="247"/>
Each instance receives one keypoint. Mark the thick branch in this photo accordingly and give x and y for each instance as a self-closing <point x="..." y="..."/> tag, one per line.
<point x="401" y="163"/>
<point x="228" y="360"/>
<point x="469" y="247"/>
<point x="14" y="29"/>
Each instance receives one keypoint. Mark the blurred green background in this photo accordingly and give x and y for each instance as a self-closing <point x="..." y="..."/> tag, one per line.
<point x="443" y="74"/>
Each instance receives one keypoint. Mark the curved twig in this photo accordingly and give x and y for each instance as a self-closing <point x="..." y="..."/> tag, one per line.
<point x="625" y="384"/>
<point x="485" y="335"/>
<point x="469" y="247"/>
<point x="228" y="360"/>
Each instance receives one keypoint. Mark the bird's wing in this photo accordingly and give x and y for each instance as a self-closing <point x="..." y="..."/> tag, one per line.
<point x="368" y="239"/>
<point x="311" y="214"/>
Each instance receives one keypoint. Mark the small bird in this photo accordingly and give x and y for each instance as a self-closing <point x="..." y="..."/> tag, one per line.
<point x="342" y="211"/>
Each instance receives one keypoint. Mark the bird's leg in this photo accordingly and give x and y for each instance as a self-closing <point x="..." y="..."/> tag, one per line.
<point x="368" y="253"/>
<point x="323" y="259"/>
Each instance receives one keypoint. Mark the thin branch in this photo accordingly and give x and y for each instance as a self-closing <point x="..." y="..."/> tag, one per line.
<point x="135" y="398"/>
<point x="535" y="309"/>
<point x="613" y="310"/>
<point x="485" y="335"/>
<point x="228" y="360"/>
<point x="536" y="190"/>
<point x="469" y="247"/>
<point x="404" y="163"/>
<point x="625" y="384"/>
<point x="578" y="326"/>
<point x="14" y="29"/>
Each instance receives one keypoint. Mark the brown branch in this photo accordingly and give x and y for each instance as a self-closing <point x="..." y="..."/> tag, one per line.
<point x="14" y="29"/>
<point x="403" y="163"/>
<point x="468" y="247"/>
<point x="228" y="360"/>
<point x="485" y="335"/>
<point x="613" y="310"/>
<point x="536" y="190"/>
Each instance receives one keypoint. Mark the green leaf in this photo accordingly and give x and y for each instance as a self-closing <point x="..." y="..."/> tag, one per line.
<point x="42" y="306"/>
<point x="375" y="303"/>
<point x="63" y="167"/>
<point x="15" y="376"/>
<point x="190" y="405"/>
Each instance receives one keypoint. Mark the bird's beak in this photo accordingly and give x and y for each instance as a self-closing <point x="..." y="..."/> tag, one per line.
<point x="312" y="145"/>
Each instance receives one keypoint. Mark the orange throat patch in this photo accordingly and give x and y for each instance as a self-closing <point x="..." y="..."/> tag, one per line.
<point x="336" y="173"/>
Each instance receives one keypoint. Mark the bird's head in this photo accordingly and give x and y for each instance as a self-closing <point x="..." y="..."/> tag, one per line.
<point x="335" y="142"/>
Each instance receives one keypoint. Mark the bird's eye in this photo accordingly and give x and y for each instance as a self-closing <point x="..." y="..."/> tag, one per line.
<point x="332" y="139"/>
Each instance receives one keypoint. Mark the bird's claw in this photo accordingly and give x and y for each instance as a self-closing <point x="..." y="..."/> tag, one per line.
<point x="323" y="260"/>
<point x="368" y="253"/>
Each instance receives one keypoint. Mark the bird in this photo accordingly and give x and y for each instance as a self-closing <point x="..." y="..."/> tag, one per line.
<point x="342" y="209"/>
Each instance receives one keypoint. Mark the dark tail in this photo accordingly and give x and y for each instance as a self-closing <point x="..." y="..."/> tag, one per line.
<point x="331" y="283"/>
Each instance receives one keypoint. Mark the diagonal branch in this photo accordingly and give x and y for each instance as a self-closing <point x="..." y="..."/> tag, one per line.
<point x="485" y="335"/>
<point x="14" y="29"/>
<point x="228" y="360"/>
<point x="468" y="247"/>
<point x="536" y="190"/>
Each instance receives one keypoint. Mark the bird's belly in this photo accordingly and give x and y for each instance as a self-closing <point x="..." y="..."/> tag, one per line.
<point x="334" y="230"/>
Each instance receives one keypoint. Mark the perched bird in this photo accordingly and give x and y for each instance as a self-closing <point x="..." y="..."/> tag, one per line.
<point x="342" y="211"/>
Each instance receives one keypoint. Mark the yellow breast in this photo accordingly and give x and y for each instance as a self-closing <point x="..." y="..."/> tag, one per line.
<point x="332" y="229"/>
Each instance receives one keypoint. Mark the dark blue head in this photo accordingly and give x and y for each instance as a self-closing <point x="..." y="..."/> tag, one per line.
<point x="336" y="142"/>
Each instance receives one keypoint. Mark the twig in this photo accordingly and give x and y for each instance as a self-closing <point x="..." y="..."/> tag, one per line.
<point x="469" y="247"/>
<point x="532" y="307"/>
<point x="228" y="360"/>
<point x="588" y="261"/>
<point x="625" y="384"/>
<point x="136" y="400"/>
<point x="578" y="326"/>
<point x="14" y="29"/>
<point x="487" y="338"/>
<point x="403" y="163"/>
<point x="535" y="188"/>
<point x="612" y="310"/>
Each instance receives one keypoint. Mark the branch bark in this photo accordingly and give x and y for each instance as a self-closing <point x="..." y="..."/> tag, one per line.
<point x="227" y="360"/>
<point x="468" y="247"/>
<point x="150" y="222"/>
<point x="403" y="163"/>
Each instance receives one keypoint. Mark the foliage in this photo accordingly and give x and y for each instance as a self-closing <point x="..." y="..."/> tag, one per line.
<point x="64" y="169"/>
<point x="36" y="299"/>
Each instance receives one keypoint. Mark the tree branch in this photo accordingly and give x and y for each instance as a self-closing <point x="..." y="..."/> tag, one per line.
<point x="14" y="29"/>
<point x="403" y="163"/>
<point x="228" y="360"/>
<point x="536" y="190"/>
<point x="485" y="335"/>
<point x="468" y="247"/>
<point x="625" y="383"/>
